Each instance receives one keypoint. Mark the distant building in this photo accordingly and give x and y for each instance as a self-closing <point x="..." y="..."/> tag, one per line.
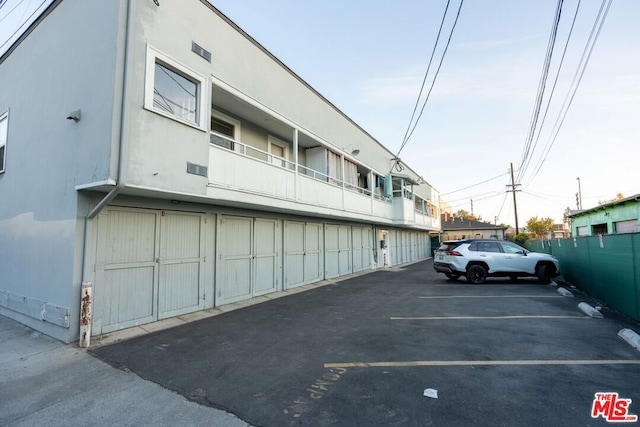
<point x="616" y="217"/>
<point x="458" y="228"/>
<point x="560" y="231"/>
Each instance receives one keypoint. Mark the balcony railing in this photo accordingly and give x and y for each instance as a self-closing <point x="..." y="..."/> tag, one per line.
<point x="249" y="151"/>
<point x="283" y="180"/>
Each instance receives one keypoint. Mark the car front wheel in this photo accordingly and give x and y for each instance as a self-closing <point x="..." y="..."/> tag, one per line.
<point x="543" y="273"/>
<point x="476" y="274"/>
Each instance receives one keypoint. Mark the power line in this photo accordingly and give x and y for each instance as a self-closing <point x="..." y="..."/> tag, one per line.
<point x="424" y="104"/>
<point x="474" y="185"/>
<point x="573" y="90"/>
<point x="424" y="80"/>
<point x="553" y="89"/>
<point x="528" y="151"/>
<point x="14" y="8"/>
<point x="22" y="25"/>
<point x="475" y="196"/>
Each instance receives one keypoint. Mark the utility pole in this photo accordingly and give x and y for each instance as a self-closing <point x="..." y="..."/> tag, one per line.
<point x="471" y="207"/>
<point x="513" y="190"/>
<point x="579" y="195"/>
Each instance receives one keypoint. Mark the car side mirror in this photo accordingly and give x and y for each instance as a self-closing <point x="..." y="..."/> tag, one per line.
<point x="523" y="253"/>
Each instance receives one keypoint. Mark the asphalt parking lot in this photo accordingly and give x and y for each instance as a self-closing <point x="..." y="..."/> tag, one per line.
<point x="361" y="352"/>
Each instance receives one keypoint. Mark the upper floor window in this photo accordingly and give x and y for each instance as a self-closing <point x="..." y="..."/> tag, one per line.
<point x="222" y="124"/>
<point x="174" y="90"/>
<point x="4" y="132"/>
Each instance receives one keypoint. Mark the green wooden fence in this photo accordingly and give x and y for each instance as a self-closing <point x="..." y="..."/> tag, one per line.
<point x="606" y="267"/>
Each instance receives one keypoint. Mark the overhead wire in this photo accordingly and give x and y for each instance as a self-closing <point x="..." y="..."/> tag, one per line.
<point x="555" y="83"/>
<point x="582" y="66"/>
<point x="437" y="72"/>
<point x="474" y="185"/>
<point x="22" y="25"/>
<point x="424" y="80"/>
<point x="435" y="77"/>
<point x="9" y="12"/>
<point x="527" y="149"/>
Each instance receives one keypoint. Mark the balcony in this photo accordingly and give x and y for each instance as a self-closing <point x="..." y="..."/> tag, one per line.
<point x="243" y="175"/>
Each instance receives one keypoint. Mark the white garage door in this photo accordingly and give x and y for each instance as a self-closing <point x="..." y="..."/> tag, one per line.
<point x="362" y="248"/>
<point x="248" y="258"/>
<point x="303" y="253"/>
<point x="630" y="226"/>
<point x="149" y="266"/>
<point x="337" y="250"/>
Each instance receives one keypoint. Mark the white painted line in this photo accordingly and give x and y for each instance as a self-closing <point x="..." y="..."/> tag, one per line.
<point x="490" y="296"/>
<point x="487" y="317"/>
<point x="478" y="363"/>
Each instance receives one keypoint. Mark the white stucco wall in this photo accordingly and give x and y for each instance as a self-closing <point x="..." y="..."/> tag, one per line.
<point x="67" y="63"/>
<point x="160" y="147"/>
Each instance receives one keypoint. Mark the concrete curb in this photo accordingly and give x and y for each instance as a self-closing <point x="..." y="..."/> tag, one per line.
<point x="589" y="311"/>
<point x="630" y="337"/>
<point x="565" y="293"/>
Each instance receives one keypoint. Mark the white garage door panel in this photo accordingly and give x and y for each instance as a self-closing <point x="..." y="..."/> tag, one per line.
<point x="126" y="270"/>
<point x="180" y="264"/>
<point x="179" y="288"/>
<point x="237" y="254"/>
<point x="345" y="253"/>
<point x="266" y="256"/>
<point x="332" y="250"/>
<point x="357" y="249"/>
<point x="130" y="237"/>
<point x="313" y="253"/>
<point x="237" y="279"/>
<point x="129" y="295"/>
<point x="294" y="254"/>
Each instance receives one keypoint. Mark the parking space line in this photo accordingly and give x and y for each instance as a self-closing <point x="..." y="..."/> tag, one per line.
<point x="487" y="317"/>
<point x="419" y="363"/>
<point x="491" y="296"/>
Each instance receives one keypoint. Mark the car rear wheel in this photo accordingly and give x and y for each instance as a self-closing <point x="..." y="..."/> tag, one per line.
<point x="543" y="272"/>
<point x="452" y="276"/>
<point x="476" y="274"/>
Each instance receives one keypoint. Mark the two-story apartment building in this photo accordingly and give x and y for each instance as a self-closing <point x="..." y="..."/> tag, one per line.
<point x="158" y="152"/>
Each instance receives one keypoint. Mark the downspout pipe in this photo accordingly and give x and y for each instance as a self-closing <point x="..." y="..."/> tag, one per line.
<point x="124" y="111"/>
<point x="85" y="320"/>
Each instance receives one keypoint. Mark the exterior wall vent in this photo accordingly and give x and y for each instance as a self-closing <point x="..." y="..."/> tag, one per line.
<point x="200" y="51"/>
<point x="194" y="169"/>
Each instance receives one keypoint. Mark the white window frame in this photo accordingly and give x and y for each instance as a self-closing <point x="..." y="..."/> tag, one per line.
<point x="272" y="140"/>
<point x="153" y="56"/>
<point x="237" y="128"/>
<point x="4" y="117"/>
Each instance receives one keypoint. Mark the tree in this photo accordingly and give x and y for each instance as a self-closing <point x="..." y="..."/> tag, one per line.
<point x="540" y="228"/>
<point x="619" y="196"/>
<point x="521" y="239"/>
<point x="466" y="215"/>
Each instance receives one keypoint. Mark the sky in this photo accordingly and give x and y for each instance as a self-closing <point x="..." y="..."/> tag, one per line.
<point x="369" y="59"/>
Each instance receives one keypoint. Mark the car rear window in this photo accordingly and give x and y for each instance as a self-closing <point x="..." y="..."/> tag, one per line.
<point x="448" y="246"/>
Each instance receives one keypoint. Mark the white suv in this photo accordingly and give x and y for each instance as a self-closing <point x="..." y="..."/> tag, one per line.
<point x="478" y="259"/>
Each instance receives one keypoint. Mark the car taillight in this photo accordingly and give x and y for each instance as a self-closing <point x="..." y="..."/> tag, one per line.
<point x="454" y="253"/>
